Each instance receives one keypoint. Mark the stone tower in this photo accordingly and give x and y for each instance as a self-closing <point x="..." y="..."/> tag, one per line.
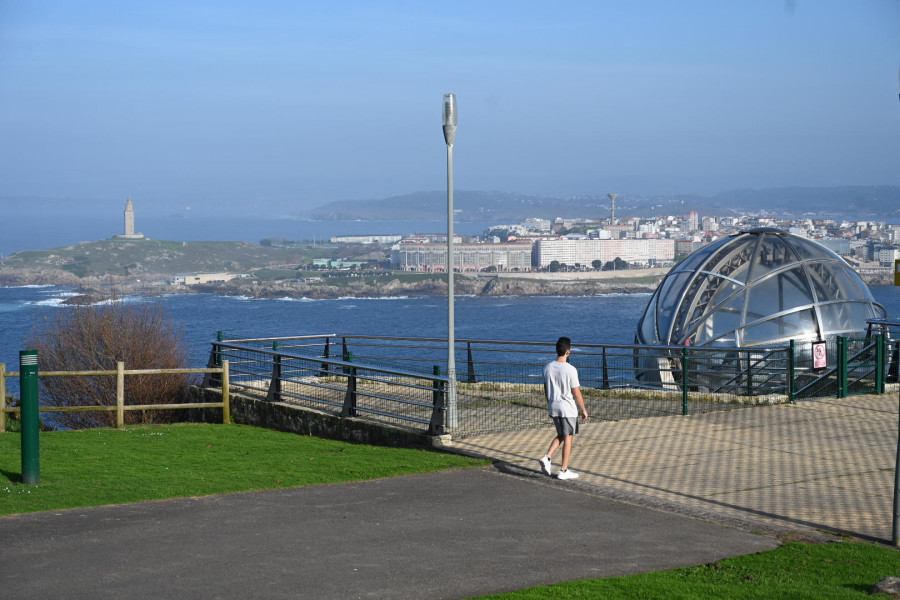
<point x="129" y="223"/>
<point x="129" y="218"/>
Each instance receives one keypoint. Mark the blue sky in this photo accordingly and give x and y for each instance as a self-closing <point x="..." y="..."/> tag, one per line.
<point x="291" y="103"/>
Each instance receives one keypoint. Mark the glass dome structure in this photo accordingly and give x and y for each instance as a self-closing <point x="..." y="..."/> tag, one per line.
<point x="760" y="287"/>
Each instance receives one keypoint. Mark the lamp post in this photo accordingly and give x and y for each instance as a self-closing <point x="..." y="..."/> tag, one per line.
<point x="449" y="123"/>
<point x="895" y="532"/>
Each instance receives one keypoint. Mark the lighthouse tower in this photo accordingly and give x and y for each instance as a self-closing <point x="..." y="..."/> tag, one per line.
<point x="129" y="218"/>
<point x="129" y="223"/>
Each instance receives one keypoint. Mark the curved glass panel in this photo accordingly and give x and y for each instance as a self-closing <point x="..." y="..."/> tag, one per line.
<point x="780" y="292"/>
<point x="842" y="318"/>
<point x="647" y="329"/>
<point x="670" y="295"/>
<point x="733" y="260"/>
<point x="808" y="250"/>
<point x="796" y="325"/>
<point x="831" y="283"/>
<point x="773" y="254"/>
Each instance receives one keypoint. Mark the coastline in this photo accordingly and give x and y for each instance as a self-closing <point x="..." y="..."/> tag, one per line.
<point x="92" y="290"/>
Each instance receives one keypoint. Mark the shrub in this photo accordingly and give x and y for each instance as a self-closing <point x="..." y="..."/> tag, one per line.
<point x="95" y="338"/>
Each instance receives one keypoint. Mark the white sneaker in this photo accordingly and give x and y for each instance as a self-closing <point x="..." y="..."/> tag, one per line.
<point x="567" y="474"/>
<point x="545" y="465"/>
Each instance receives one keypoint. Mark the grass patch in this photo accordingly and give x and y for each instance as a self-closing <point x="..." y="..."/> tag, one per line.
<point x="94" y="467"/>
<point x="797" y="571"/>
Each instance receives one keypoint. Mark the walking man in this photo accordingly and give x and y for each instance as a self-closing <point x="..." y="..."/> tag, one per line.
<point x="563" y="392"/>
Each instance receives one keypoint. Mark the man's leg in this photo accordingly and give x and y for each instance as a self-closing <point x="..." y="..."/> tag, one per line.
<point x="566" y="451"/>
<point x="554" y="445"/>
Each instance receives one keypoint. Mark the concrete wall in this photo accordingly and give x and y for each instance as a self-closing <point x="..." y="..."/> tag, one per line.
<point x="291" y="418"/>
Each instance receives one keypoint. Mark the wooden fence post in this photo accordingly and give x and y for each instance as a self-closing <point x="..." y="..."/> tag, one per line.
<point x="226" y="399"/>
<point x="120" y="395"/>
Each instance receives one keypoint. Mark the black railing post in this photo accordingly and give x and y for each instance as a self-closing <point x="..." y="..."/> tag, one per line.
<point x="274" y="394"/>
<point x="345" y="354"/>
<point x="325" y="365"/>
<point x="214" y="362"/>
<point x="790" y="372"/>
<point x="349" y="409"/>
<point x="880" y="345"/>
<point x="685" y="379"/>
<point x="842" y="367"/>
<point x="749" y="374"/>
<point x="436" y="426"/>
<point x="470" y="363"/>
<point x="605" y="384"/>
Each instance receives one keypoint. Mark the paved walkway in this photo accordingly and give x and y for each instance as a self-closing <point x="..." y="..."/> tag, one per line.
<point x="811" y="466"/>
<point x="454" y="534"/>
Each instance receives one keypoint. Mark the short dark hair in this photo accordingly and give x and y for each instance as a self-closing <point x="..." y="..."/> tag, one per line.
<point x="563" y="345"/>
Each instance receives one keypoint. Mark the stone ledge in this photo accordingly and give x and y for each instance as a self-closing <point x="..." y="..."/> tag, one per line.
<point x="282" y="416"/>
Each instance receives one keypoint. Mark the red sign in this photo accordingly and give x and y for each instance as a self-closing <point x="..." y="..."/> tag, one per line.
<point x="819" y="359"/>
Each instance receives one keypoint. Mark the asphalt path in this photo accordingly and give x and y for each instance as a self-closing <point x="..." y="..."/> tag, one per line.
<point x="455" y="534"/>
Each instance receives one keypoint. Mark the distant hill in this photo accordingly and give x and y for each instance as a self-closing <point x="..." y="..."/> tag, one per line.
<point x="847" y="202"/>
<point x="134" y="258"/>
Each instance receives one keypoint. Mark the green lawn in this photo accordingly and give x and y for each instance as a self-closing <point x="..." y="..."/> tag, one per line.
<point x="794" y="571"/>
<point x="107" y="466"/>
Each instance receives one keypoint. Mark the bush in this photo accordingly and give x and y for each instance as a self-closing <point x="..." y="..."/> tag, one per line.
<point x="91" y="338"/>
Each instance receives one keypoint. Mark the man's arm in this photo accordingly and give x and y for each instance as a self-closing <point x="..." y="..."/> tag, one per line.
<point x="576" y="392"/>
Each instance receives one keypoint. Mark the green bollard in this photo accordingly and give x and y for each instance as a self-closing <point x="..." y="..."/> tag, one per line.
<point x="30" y="415"/>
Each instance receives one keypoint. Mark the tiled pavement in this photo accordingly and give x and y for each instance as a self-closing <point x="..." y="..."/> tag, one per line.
<point x="817" y="465"/>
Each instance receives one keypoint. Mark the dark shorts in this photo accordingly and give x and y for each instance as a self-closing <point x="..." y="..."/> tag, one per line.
<point x="566" y="425"/>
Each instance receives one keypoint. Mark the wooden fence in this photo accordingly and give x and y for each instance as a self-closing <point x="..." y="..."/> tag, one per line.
<point x="120" y="406"/>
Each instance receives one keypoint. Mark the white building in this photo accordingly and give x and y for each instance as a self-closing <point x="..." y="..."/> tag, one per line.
<point x="366" y="239"/>
<point x="427" y="257"/>
<point x="584" y="252"/>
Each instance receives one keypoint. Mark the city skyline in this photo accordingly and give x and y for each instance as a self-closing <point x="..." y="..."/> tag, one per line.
<point x="284" y="104"/>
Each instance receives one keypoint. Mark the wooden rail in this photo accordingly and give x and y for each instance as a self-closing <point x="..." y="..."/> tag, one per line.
<point x="120" y="406"/>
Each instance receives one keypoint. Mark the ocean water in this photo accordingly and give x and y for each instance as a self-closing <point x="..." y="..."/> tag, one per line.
<point x="607" y="319"/>
<point x="603" y="319"/>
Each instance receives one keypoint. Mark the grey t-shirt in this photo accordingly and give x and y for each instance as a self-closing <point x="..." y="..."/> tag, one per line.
<point x="559" y="379"/>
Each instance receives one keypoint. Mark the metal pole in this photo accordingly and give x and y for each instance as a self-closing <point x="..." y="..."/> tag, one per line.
<point x="895" y="537"/>
<point x="30" y="416"/>
<point x="449" y="125"/>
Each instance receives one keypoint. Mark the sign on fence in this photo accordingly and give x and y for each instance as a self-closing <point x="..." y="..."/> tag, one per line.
<point x="820" y="359"/>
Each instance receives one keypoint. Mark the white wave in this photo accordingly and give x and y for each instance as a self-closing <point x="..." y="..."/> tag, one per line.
<point x="48" y="302"/>
<point x="626" y="294"/>
<point x="31" y="285"/>
<point x="290" y="299"/>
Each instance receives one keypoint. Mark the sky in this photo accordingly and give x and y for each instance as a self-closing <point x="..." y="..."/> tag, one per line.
<point x="292" y="103"/>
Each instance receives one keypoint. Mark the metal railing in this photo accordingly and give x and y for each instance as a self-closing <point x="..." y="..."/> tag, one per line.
<point x="336" y="386"/>
<point x="500" y="384"/>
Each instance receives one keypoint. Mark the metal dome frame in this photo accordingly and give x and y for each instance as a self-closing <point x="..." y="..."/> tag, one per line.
<point x="758" y="287"/>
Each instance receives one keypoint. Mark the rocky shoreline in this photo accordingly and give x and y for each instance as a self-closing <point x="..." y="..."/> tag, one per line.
<point x="92" y="290"/>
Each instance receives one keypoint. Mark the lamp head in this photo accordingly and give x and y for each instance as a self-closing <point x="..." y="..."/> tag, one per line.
<point x="449" y="118"/>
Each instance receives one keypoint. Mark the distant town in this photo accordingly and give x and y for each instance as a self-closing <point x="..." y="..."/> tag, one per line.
<point x="542" y="245"/>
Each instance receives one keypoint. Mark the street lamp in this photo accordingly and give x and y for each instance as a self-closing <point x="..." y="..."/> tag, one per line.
<point x="449" y="123"/>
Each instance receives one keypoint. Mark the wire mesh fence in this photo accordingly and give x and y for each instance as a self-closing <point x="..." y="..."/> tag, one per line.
<point x="403" y="381"/>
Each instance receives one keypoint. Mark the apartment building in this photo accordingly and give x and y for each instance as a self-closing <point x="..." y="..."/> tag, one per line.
<point x="468" y="257"/>
<point x="657" y="252"/>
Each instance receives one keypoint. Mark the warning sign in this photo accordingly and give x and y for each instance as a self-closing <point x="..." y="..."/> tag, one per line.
<point x="819" y="357"/>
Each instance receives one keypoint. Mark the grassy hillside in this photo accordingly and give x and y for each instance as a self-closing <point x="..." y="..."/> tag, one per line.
<point x="136" y="257"/>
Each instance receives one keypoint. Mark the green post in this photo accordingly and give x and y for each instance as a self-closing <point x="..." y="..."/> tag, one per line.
<point x="31" y="422"/>
<point x="685" y="379"/>
<point x="880" y="344"/>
